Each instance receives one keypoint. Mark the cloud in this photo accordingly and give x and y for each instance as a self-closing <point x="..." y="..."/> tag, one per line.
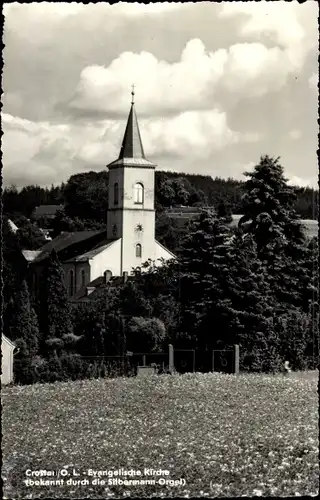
<point x="314" y="81"/>
<point x="288" y="24"/>
<point x="48" y="152"/>
<point x="231" y="84"/>
<point x="247" y="69"/>
<point x="295" y="134"/>
<point x="299" y="181"/>
<point x="63" y="9"/>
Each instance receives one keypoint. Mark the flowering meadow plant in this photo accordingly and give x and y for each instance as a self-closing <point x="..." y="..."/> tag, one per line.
<point x="226" y="436"/>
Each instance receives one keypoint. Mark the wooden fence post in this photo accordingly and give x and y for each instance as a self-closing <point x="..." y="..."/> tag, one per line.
<point x="236" y="359"/>
<point x="171" y="358"/>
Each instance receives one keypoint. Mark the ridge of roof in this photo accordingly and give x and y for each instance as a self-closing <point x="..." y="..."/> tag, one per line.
<point x="64" y="240"/>
<point x="3" y="336"/>
<point x="162" y="246"/>
<point x="92" y="253"/>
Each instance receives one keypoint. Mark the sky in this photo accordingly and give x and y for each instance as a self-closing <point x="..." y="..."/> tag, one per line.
<point x="217" y="85"/>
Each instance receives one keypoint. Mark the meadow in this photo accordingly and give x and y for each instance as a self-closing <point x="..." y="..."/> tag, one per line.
<point x="252" y="435"/>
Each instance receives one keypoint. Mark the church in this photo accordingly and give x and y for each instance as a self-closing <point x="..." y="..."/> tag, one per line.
<point x="128" y="241"/>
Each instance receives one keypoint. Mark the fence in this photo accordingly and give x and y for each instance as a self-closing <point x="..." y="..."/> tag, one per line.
<point x="72" y="367"/>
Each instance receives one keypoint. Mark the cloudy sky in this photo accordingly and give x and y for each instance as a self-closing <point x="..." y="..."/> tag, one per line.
<point x="217" y="85"/>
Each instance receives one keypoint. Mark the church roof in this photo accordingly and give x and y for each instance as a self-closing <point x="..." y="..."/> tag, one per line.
<point x="4" y="338"/>
<point x="84" y="257"/>
<point x="132" y="152"/>
<point x="65" y="240"/>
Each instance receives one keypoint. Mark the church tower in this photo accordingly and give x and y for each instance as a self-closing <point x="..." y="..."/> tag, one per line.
<point x="131" y="212"/>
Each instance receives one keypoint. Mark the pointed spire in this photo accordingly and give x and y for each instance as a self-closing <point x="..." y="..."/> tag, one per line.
<point x="132" y="144"/>
<point x="132" y="153"/>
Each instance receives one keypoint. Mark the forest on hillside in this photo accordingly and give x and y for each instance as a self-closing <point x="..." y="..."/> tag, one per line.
<point x="256" y="285"/>
<point x="85" y="195"/>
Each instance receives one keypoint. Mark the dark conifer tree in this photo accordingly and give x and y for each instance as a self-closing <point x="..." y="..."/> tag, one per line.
<point x="269" y="215"/>
<point x="55" y="309"/>
<point x="202" y="264"/>
<point x="24" y="322"/>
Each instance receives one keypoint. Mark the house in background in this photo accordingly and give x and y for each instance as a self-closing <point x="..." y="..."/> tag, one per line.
<point x="45" y="212"/>
<point x="7" y="348"/>
<point x="12" y="226"/>
<point x="129" y="239"/>
<point x="183" y="215"/>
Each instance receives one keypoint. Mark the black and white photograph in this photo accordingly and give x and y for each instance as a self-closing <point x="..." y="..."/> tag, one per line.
<point x="160" y="247"/>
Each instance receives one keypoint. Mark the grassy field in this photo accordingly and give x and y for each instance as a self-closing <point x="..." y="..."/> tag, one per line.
<point x="226" y="436"/>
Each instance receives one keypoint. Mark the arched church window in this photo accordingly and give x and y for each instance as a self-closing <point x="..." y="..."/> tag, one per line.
<point x="83" y="277"/>
<point x="138" y="250"/>
<point x="71" y="283"/>
<point x="116" y="193"/>
<point x="138" y="193"/>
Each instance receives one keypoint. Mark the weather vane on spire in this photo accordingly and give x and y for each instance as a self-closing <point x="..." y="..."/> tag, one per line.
<point x="132" y="93"/>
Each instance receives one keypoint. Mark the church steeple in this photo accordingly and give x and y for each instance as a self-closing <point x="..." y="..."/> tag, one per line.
<point x="132" y="152"/>
<point x="131" y="210"/>
<point x="132" y="143"/>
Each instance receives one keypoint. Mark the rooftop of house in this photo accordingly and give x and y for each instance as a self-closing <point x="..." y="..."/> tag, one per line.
<point x="46" y="210"/>
<point x="183" y="214"/>
<point x="30" y="255"/>
<point x="12" y="226"/>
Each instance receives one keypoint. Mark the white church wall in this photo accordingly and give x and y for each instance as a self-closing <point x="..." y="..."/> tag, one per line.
<point x="162" y="252"/>
<point x="133" y="236"/>
<point x="108" y="259"/>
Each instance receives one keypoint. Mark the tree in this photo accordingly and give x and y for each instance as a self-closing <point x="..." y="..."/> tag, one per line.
<point x="268" y="204"/>
<point x="161" y="286"/>
<point x="293" y="328"/>
<point x="132" y="301"/>
<point x="224" y="212"/>
<point x="98" y="323"/>
<point x="14" y="265"/>
<point x="145" y="334"/>
<point x="55" y="310"/>
<point x="29" y="235"/>
<point x="165" y="193"/>
<point x="201" y="265"/>
<point x="24" y="323"/>
<point x="269" y="215"/>
<point x="167" y="231"/>
<point x="252" y="306"/>
<point x="86" y="196"/>
<point x="62" y="222"/>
